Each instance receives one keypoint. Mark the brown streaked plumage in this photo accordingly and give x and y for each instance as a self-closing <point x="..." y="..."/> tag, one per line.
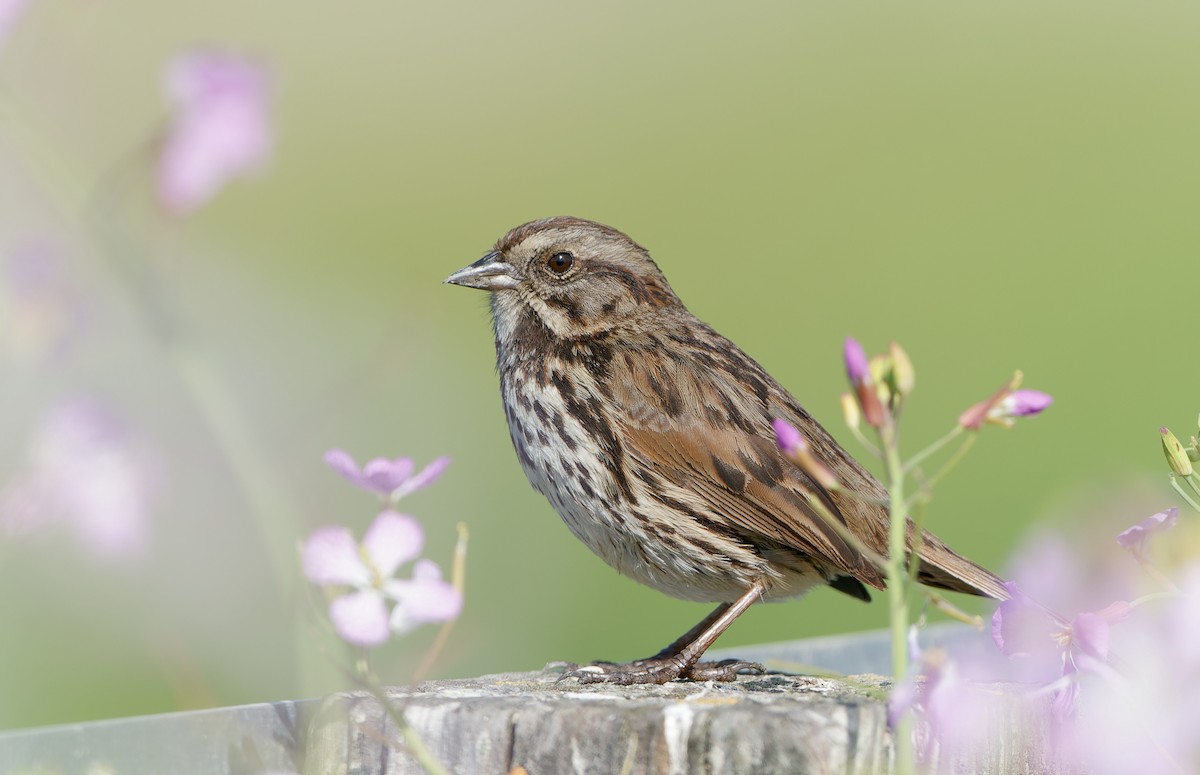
<point x="650" y="434"/>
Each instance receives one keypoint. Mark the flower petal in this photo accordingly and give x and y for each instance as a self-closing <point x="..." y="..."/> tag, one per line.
<point x="1021" y="628"/>
<point x="426" y="598"/>
<point x="1135" y="538"/>
<point x="360" y="618"/>
<point x="426" y="477"/>
<point x="339" y="460"/>
<point x="330" y="556"/>
<point x="383" y="475"/>
<point x="392" y="540"/>
<point x="1089" y="632"/>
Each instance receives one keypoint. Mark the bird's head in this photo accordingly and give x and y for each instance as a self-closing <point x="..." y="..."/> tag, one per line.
<point x="575" y="277"/>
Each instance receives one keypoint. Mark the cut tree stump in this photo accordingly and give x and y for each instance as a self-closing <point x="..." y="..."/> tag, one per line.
<point x="494" y="724"/>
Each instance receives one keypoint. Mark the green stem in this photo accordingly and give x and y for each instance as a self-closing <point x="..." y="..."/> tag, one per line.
<point x="1194" y="482"/>
<point x="953" y="461"/>
<point x="874" y="450"/>
<point x="1179" y="489"/>
<point x="898" y="588"/>
<point x="921" y="456"/>
<point x="412" y="739"/>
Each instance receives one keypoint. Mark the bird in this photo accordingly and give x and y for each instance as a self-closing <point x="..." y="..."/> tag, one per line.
<point x="651" y="436"/>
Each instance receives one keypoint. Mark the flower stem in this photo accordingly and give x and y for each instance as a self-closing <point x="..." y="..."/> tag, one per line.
<point x="1194" y="482"/>
<point x="921" y="456"/>
<point x="898" y="587"/>
<point x="412" y="739"/>
<point x="1179" y="488"/>
<point x="953" y="461"/>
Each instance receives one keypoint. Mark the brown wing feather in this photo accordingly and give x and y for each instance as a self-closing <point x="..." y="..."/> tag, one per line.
<point x="699" y="415"/>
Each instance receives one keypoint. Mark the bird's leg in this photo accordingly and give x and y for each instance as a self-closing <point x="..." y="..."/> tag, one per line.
<point x="685" y="640"/>
<point x="682" y="658"/>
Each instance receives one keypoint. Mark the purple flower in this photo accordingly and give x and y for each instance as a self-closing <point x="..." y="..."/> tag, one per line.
<point x="88" y="470"/>
<point x="857" y="367"/>
<point x="1134" y="539"/>
<point x="1005" y="405"/>
<point x="332" y="558"/>
<point x="391" y="479"/>
<point x="787" y="438"/>
<point x="1023" y="629"/>
<point x="952" y="713"/>
<point x="10" y="11"/>
<point x="220" y="129"/>
<point x="1024" y="403"/>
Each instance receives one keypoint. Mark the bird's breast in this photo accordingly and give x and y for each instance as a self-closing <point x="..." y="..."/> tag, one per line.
<point x="571" y="453"/>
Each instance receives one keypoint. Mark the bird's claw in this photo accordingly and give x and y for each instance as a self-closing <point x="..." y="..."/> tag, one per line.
<point x="660" y="670"/>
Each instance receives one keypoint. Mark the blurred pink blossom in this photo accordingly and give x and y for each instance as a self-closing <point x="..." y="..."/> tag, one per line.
<point x="220" y="128"/>
<point x="85" y="469"/>
<point x="10" y="12"/>
<point x="332" y="558"/>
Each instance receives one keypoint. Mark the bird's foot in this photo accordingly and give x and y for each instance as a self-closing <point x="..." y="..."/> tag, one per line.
<point x="660" y="670"/>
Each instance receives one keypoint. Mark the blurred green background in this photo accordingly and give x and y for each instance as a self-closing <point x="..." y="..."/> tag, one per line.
<point x="994" y="186"/>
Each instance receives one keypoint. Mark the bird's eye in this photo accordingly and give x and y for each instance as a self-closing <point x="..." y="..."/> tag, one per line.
<point x="560" y="263"/>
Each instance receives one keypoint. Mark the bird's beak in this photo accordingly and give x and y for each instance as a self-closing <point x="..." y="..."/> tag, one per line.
<point x="489" y="273"/>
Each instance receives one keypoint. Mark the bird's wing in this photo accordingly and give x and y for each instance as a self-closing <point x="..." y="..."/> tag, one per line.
<point x="704" y="425"/>
<point x="743" y="482"/>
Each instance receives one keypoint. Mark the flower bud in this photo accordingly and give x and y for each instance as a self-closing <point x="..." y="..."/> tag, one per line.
<point x="1005" y="405"/>
<point x="793" y="444"/>
<point x="850" y="411"/>
<point x="903" y="374"/>
<point x="857" y="367"/>
<point x="1024" y="403"/>
<point x="1177" y="457"/>
<point x="787" y="438"/>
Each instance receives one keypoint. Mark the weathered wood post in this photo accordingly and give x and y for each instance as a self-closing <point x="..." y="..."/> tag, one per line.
<point x="785" y="722"/>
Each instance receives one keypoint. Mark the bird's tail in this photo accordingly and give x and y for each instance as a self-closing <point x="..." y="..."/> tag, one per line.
<point x="944" y="568"/>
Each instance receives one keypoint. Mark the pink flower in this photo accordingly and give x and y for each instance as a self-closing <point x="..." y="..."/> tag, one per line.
<point x="392" y="479"/>
<point x="220" y="129"/>
<point x="332" y="558"/>
<point x="87" y="469"/>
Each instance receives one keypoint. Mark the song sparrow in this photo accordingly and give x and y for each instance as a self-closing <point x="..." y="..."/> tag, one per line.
<point x="650" y="434"/>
